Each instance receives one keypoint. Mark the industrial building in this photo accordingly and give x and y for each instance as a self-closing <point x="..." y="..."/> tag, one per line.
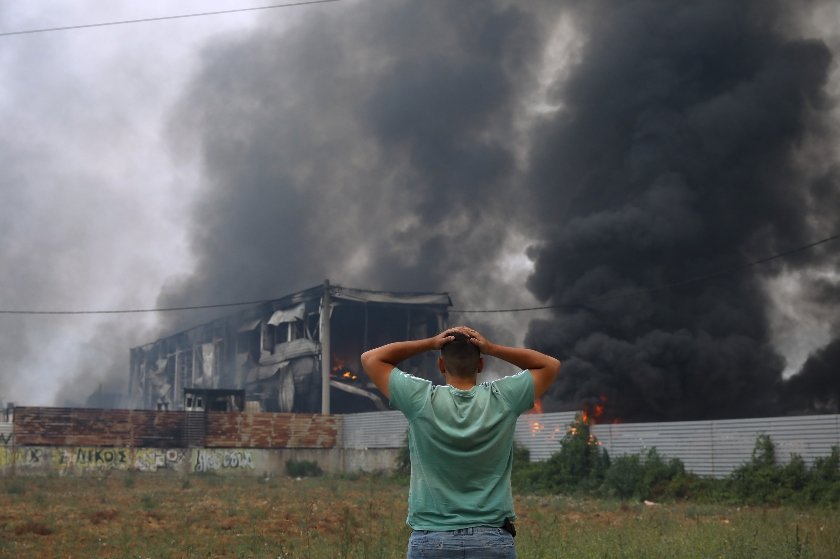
<point x="299" y="353"/>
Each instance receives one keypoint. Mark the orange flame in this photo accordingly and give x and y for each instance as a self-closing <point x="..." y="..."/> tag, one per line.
<point x="340" y="370"/>
<point x="591" y="412"/>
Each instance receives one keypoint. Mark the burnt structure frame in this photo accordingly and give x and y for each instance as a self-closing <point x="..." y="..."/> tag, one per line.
<point x="283" y="352"/>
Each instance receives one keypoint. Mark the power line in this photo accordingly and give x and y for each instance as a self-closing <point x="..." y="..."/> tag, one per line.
<point x="129" y="311"/>
<point x="635" y="292"/>
<point x="161" y="18"/>
<point x="578" y="304"/>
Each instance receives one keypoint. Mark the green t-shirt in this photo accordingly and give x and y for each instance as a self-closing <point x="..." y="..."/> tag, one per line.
<point x="461" y="447"/>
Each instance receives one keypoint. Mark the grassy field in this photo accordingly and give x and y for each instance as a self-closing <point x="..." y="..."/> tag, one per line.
<point x="158" y="516"/>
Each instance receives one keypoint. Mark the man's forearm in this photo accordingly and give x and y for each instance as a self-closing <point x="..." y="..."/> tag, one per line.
<point x="396" y="352"/>
<point x="379" y="362"/>
<point x="543" y="368"/>
<point x="521" y="357"/>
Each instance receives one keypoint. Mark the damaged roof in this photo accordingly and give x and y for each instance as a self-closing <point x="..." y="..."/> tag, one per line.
<point x="250" y="317"/>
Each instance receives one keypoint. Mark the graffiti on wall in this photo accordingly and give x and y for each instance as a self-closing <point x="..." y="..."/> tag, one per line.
<point x="7" y="457"/>
<point x="154" y="459"/>
<point x="92" y="458"/>
<point x="80" y="460"/>
<point x="25" y="457"/>
<point x="215" y="460"/>
<point x="6" y="439"/>
<point x="116" y="458"/>
<point x="34" y="456"/>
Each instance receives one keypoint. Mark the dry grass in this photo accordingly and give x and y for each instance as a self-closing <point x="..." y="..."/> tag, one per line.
<point x="210" y="516"/>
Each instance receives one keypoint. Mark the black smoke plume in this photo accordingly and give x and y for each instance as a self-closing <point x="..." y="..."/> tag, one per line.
<point x="371" y="144"/>
<point x="407" y="145"/>
<point x="675" y="156"/>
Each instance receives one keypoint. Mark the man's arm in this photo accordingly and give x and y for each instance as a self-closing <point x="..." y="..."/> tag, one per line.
<point x="379" y="362"/>
<point x="543" y="368"/>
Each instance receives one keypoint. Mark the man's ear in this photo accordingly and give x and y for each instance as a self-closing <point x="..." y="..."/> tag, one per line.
<point x="441" y="366"/>
<point x="480" y="365"/>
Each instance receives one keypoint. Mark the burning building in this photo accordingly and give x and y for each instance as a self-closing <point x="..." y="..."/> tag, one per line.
<point x="299" y="353"/>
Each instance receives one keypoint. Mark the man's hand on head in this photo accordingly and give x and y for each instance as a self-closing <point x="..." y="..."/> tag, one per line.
<point x="443" y="338"/>
<point x="479" y="340"/>
<point x="475" y="337"/>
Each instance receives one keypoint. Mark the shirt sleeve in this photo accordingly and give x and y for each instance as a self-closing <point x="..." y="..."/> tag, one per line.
<point x="409" y="394"/>
<point x="518" y="390"/>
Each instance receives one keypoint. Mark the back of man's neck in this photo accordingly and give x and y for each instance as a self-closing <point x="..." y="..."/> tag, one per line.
<point x="461" y="383"/>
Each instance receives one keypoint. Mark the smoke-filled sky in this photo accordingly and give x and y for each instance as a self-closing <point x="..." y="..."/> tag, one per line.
<point x="513" y="154"/>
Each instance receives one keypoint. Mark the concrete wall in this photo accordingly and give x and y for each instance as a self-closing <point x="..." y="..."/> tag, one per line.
<point x="7" y="434"/>
<point x="80" y="460"/>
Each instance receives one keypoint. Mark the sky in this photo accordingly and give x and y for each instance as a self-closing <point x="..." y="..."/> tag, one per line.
<point x="93" y="200"/>
<point x="550" y="153"/>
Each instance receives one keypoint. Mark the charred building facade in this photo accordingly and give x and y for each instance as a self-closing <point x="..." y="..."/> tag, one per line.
<point x="299" y="353"/>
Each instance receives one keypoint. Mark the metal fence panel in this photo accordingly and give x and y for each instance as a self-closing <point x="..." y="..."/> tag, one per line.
<point x="708" y="448"/>
<point x="808" y="436"/>
<point x="385" y="429"/>
<point x="541" y="433"/>
<point x="690" y="441"/>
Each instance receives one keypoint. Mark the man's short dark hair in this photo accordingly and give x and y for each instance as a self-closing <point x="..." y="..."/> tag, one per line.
<point x="460" y="356"/>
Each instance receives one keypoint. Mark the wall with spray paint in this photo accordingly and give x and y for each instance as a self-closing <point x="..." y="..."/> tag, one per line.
<point x="80" y="461"/>
<point x="7" y="433"/>
<point x="70" y="441"/>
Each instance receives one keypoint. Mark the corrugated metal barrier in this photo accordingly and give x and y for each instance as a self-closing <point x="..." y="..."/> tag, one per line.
<point x="383" y="429"/>
<point x="709" y="448"/>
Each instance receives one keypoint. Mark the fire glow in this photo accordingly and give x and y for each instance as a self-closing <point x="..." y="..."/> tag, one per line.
<point x="593" y="413"/>
<point x="340" y="371"/>
<point x="536" y="426"/>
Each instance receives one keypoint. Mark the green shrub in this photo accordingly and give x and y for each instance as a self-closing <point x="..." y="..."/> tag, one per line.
<point x="691" y="486"/>
<point x="824" y="486"/>
<point x="759" y="480"/>
<point x="624" y="476"/>
<point x="657" y="475"/>
<point x="763" y="481"/>
<point x="764" y="452"/>
<point x="827" y="468"/>
<point x="795" y="475"/>
<point x="521" y="455"/>
<point x="303" y="468"/>
<point x="527" y="476"/>
<point x="647" y="477"/>
<point x="580" y="464"/>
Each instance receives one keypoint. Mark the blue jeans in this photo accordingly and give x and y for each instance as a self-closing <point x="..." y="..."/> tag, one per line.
<point x="481" y="542"/>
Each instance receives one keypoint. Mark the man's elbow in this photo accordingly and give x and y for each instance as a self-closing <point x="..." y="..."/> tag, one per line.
<point x="367" y="359"/>
<point x="553" y="369"/>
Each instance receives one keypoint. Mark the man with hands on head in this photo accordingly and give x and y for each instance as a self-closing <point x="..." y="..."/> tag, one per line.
<point x="460" y="439"/>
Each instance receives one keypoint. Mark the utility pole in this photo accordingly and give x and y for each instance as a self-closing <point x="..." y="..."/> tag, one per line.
<point x="326" y="358"/>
